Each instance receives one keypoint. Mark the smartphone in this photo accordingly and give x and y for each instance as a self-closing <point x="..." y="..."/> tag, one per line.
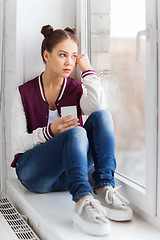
<point x="65" y="111"/>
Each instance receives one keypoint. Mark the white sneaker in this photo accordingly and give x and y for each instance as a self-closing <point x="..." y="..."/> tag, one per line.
<point x="90" y="216"/>
<point x="116" y="205"/>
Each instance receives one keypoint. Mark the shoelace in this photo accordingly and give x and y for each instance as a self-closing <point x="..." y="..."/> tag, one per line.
<point x="94" y="210"/>
<point x="114" y="197"/>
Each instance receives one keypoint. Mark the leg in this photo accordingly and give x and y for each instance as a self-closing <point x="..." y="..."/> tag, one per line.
<point x="39" y="169"/>
<point x="100" y="131"/>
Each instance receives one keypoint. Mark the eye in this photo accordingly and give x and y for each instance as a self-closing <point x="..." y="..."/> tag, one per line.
<point x="62" y="55"/>
<point x="74" y="56"/>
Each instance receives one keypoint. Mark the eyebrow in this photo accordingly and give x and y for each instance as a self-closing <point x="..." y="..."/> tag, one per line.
<point x="67" y="52"/>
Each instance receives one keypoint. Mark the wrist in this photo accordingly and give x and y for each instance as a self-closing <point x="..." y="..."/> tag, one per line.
<point x="89" y="68"/>
<point x="88" y="72"/>
<point x="50" y="130"/>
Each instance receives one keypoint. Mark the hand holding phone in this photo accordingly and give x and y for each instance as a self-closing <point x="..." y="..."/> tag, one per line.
<point x="67" y="121"/>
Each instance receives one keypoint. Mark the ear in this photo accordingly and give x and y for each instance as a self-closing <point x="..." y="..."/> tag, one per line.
<point x="46" y="56"/>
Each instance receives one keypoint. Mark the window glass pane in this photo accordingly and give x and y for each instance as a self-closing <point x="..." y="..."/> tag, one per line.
<point x="128" y="79"/>
<point x="125" y="84"/>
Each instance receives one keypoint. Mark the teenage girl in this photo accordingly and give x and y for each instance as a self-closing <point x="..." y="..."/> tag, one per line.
<point x="55" y="152"/>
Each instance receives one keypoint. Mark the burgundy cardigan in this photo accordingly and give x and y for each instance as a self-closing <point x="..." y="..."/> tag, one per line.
<point x="36" y="107"/>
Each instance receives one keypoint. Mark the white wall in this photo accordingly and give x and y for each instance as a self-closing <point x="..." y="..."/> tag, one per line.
<point x="100" y="35"/>
<point x="1" y="103"/>
<point x="32" y="15"/>
<point x="23" y="22"/>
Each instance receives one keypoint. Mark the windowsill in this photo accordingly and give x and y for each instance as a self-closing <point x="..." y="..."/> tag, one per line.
<point x="4" y="233"/>
<point x="51" y="217"/>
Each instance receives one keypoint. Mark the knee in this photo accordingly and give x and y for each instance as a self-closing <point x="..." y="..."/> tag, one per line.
<point x="77" y="138"/>
<point x="102" y="115"/>
<point x="78" y="133"/>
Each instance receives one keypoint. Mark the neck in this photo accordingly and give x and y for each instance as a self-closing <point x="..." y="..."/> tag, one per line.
<point x="50" y="80"/>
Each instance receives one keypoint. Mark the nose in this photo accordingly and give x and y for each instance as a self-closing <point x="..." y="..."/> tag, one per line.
<point x="69" y="61"/>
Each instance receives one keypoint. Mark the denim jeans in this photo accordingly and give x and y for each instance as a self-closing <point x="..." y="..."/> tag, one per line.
<point x="63" y="162"/>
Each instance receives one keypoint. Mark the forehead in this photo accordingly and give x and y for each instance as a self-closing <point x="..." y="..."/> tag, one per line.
<point x="67" y="45"/>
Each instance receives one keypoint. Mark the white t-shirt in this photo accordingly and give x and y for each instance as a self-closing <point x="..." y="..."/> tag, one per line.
<point x="53" y="115"/>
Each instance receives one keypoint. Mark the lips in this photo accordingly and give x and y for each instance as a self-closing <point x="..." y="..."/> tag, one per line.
<point x="67" y="70"/>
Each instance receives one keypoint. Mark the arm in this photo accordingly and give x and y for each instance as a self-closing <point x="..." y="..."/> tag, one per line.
<point x="93" y="97"/>
<point x="21" y="139"/>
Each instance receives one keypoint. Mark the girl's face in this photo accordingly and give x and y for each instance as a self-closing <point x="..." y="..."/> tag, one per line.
<point x="62" y="60"/>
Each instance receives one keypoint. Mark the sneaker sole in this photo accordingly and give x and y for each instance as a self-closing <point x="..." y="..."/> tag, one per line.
<point x="119" y="215"/>
<point x="92" y="228"/>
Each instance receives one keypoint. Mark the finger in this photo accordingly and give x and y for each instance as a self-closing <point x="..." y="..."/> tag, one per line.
<point x="72" y="126"/>
<point x="79" y="57"/>
<point x="64" y="119"/>
<point x="71" y="122"/>
<point x="82" y="57"/>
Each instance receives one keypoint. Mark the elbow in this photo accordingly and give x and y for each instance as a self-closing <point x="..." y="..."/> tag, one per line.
<point x="100" y="106"/>
<point x="96" y="107"/>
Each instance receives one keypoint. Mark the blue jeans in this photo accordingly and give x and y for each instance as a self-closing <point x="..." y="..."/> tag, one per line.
<point x="63" y="162"/>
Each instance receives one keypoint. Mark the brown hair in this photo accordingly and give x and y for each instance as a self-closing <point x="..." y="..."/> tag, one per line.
<point x="53" y="37"/>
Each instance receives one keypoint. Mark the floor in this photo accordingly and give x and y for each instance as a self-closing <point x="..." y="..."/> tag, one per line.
<point x="54" y="213"/>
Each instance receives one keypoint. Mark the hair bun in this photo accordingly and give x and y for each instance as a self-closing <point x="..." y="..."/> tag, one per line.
<point x="46" y="30"/>
<point x="71" y="30"/>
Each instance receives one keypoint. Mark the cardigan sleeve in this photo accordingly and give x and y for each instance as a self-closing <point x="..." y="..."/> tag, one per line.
<point x="93" y="97"/>
<point x="21" y="139"/>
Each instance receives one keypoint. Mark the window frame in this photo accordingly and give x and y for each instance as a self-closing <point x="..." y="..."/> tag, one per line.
<point x="81" y="28"/>
<point x="2" y="120"/>
<point x="141" y="198"/>
<point x="158" y="167"/>
<point x="145" y="198"/>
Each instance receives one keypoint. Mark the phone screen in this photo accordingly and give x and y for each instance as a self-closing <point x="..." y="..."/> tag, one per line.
<point x="65" y="111"/>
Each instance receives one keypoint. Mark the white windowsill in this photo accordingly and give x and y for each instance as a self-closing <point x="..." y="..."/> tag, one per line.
<point x="4" y="233"/>
<point x="51" y="216"/>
